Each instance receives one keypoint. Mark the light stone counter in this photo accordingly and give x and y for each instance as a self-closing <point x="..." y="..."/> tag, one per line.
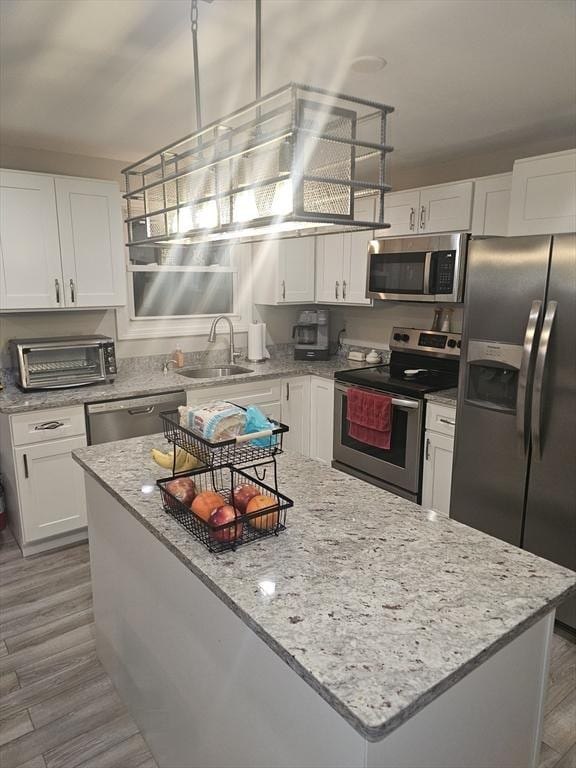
<point x="378" y="605"/>
<point x="444" y="397"/>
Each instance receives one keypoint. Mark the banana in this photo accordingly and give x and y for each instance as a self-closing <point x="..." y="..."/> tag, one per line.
<point x="184" y="461"/>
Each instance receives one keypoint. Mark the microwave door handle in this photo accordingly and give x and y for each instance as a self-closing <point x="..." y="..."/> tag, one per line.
<point x="427" y="269"/>
<point x="539" y="371"/>
<point x="525" y="367"/>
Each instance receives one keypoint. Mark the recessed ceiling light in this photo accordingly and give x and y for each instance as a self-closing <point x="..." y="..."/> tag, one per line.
<point x="368" y="64"/>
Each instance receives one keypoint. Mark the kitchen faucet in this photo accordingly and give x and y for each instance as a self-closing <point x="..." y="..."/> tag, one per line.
<point x="212" y="337"/>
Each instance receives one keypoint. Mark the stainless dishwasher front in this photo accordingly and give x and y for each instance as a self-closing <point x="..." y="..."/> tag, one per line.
<point x="120" y="419"/>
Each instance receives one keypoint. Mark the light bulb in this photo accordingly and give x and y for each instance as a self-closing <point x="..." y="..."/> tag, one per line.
<point x="245" y="208"/>
<point x="282" y="202"/>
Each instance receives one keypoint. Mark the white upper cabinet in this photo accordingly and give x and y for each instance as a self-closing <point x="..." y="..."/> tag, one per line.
<point x="30" y="269"/>
<point x="544" y="195"/>
<point x="342" y="261"/>
<point x="283" y="271"/>
<point x="91" y="229"/>
<point x="441" y="208"/>
<point x="61" y="242"/>
<point x="401" y="211"/>
<point x="446" y="207"/>
<point x="491" y="209"/>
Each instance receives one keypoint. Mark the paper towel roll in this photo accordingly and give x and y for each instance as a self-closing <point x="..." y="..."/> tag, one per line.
<point x="257" y="342"/>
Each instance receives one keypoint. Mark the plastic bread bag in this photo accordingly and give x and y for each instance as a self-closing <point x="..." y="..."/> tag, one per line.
<point x="256" y="421"/>
<point x="214" y="421"/>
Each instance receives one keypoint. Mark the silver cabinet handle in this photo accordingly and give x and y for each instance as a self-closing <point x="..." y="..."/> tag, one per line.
<point x="525" y="369"/>
<point x="138" y="411"/>
<point x="49" y="425"/>
<point x="412" y="220"/>
<point x="427" y="449"/>
<point x="447" y="421"/>
<point x="72" y="291"/>
<point x="539" y="378"/>
<point x="423" y="217"/>
<point x="336" y="287"/>
<point x="283" y="289"/>
<point x="287" y="390"/>
<point x="26" y="473"/>
<point x="57" y="287"/>
<point x="344" y="289"/>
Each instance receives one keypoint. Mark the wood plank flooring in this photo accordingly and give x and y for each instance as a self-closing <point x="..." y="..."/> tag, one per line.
<point x="59" y="709"/>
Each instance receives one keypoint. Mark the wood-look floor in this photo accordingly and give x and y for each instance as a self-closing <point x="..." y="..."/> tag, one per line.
<point x="59" y="709"/>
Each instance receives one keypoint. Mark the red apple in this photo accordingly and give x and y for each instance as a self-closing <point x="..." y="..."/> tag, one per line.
<point x="206" y="502"/>
<point x="184" y="488"/>
<point x="221" y="516"/>
<point x="242" y="494"/>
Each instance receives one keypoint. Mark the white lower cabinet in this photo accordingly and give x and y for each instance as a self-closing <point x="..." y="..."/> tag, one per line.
<point x="296" y="414"/>
<point x="44" y="486"/>
<point x="321" y="418"/>
<point x="438" y="456"/>
<point x="52" y="495"/>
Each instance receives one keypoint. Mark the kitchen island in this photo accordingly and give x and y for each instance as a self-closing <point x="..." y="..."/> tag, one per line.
<point x="369" y="633"/>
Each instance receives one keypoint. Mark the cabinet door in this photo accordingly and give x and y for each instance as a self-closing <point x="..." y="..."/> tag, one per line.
<point x="543" y="200"/>
<point x="51" y="488"/>
<point x="321" y="419"/>
<point x="445" y="208"/>
<point x="401" y="212"/>
<point x="491" y="209"/>
<point x="30" y="268"/>
<point x="356" y="256"/>
<point x="296" y="414"/>
<point x="329" y="267"/>
<point x="437" y="476"/>
<point x="296" y="269"/>
<point x="91" y="238"/>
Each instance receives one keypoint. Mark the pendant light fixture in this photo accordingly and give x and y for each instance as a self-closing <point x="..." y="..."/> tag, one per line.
<point x="289" y="163"/>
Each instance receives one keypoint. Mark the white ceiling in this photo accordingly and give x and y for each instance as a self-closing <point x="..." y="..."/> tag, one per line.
<point x="113" y="78"/>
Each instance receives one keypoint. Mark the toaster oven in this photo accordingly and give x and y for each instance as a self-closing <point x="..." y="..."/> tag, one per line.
<point x="72" y="361"/>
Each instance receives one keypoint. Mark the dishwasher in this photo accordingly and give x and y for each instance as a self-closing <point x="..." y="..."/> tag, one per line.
<point x="120" y="419"/>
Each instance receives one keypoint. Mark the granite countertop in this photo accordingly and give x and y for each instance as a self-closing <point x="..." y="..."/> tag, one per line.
<point x="444" y="397"/>
<point x="377" y="604"/>
<point x="152" y="381"/>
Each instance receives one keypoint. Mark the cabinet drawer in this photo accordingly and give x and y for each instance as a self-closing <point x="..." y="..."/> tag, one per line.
<point x="441" y="418"/>
<point x="51" y="424"/>
<point x="247" y="393"/>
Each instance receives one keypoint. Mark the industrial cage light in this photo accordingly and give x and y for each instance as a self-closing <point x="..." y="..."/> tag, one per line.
<point x="288" y="163"/>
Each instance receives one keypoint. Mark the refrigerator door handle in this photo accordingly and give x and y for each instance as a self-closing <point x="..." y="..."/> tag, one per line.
<point x="525" y="366"/>
<point x="536" y="427"/>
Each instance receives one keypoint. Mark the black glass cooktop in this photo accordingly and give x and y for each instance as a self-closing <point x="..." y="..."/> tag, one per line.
<point x="392" y="379"/>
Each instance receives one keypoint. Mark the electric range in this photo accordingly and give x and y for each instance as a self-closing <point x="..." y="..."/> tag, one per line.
<point x="421" y="361"/>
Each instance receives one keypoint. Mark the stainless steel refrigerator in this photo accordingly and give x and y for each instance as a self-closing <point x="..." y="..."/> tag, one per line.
<point x="514" y="473"/>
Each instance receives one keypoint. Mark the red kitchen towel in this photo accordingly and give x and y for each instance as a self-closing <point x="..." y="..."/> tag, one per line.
<point x="369" y="417"/>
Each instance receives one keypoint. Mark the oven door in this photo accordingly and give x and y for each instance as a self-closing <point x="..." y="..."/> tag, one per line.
<point x="398" y="467"/>
<point x="61" y="365"/>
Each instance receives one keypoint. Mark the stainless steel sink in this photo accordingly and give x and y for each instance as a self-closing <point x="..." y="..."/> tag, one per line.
<point x="215" y="372"/>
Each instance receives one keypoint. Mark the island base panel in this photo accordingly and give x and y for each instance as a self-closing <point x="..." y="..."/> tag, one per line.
<point x="207" y="692"/>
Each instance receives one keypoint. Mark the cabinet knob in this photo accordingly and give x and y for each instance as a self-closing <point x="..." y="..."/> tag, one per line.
<point x="423" y="217"/>
<point x="336" y="289"/>
<point x="412" y="220"/>
<point x="283" y="289"/>
<point x="344" y="289"/>
<point x="57" y="287"/>
<point x="72" y="292"/>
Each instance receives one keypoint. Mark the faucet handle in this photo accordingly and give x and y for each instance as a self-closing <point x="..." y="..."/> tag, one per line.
<point x="236" y="355"/>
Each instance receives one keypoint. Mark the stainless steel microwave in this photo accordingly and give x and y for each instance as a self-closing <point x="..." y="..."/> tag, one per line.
<point x="428" y="268"/>
<point x="71" y="361"/>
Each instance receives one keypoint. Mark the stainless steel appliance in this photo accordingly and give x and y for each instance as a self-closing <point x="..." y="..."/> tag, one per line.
<point x="72" y="361"/>
<point x="421" y="361"/>
<point x="514" y="471"/>
<point x="121" y="419"/>
<point x="311" y="335"/>
<point x="425" y="268"/>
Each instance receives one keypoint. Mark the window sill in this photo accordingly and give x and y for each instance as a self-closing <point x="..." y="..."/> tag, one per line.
<point x="162" y="328"/>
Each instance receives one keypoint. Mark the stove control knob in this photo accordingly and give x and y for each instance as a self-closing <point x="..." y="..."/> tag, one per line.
<point x="452" y="343"/>
<point x="397" y="337"/>
<point x="459" y="344"/>
<point x="404" y="337"/>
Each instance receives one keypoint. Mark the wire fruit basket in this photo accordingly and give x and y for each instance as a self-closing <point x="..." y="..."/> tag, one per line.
<point x="245" y="528"/>
<point x="237" y="450"/>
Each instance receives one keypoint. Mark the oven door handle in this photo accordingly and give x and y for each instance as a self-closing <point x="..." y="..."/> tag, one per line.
<point x="397" y="402"/>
